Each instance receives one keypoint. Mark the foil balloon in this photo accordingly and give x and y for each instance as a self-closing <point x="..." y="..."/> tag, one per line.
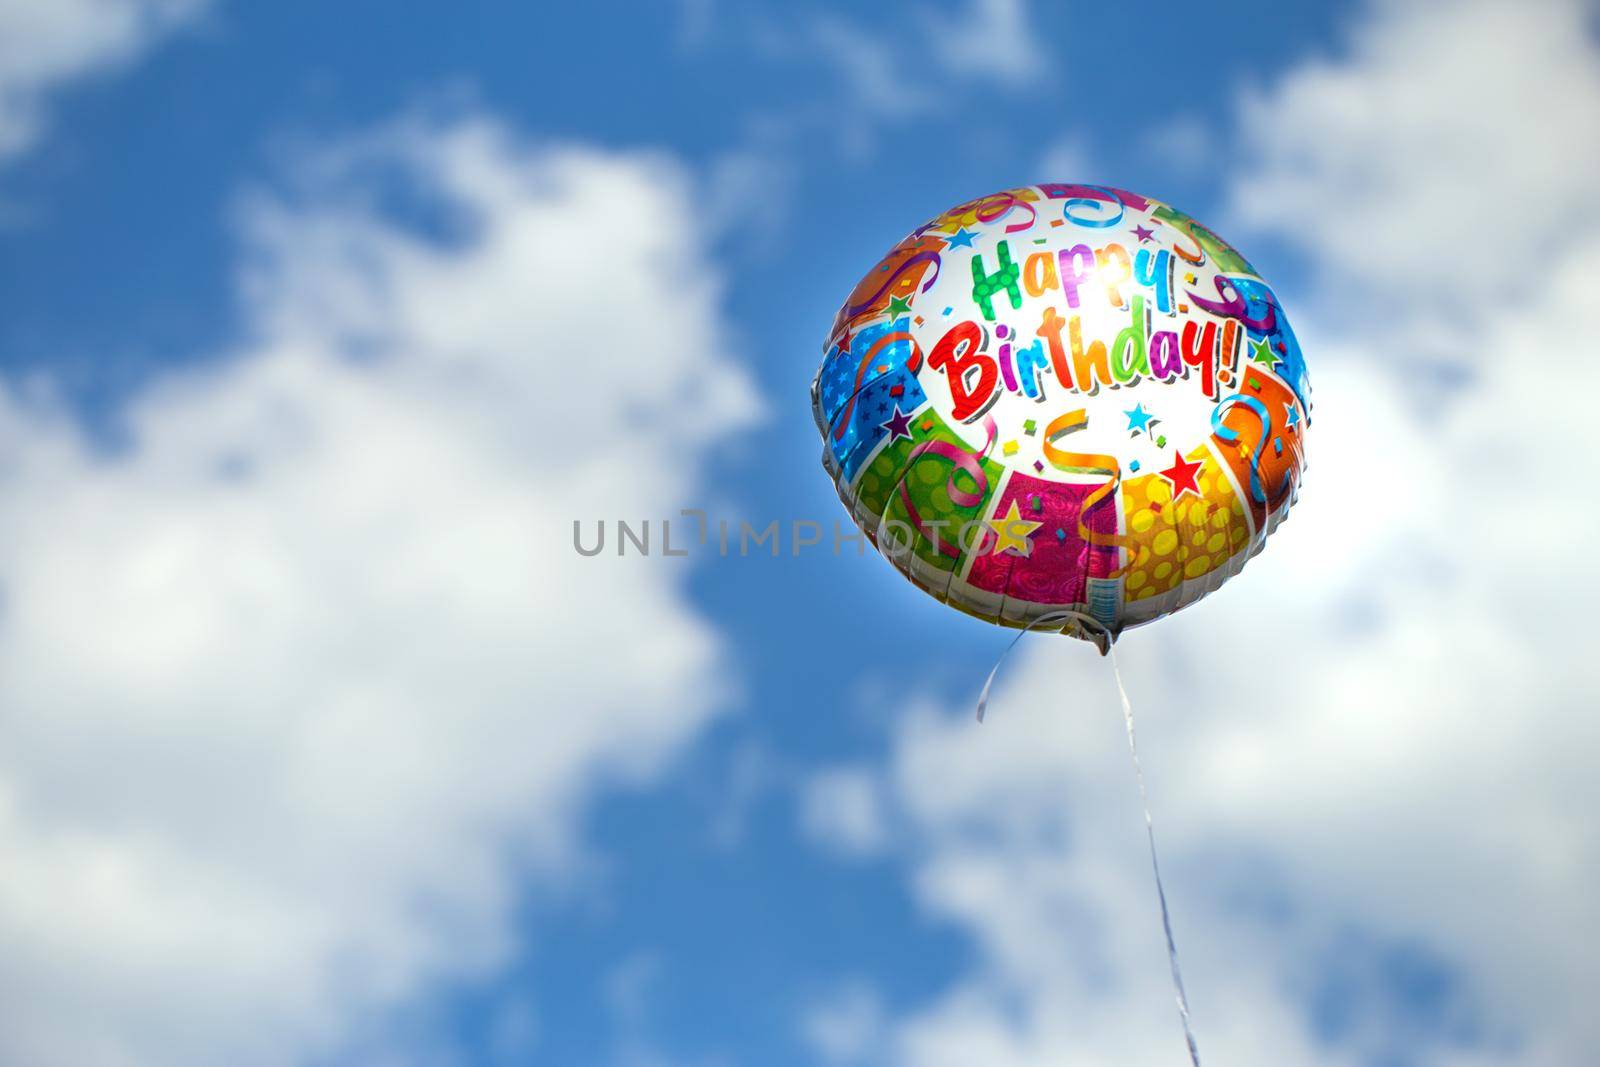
<point x="1064" y="401"/>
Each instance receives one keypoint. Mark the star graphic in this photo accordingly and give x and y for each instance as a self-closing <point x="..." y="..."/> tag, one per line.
<point x="1144" y="233"/>
<point x="1292" y="419"/>
<point x="1012" y="531"/>
<point x="1138" y="419"/>
<point x="1261" y="352"/>
<point x="898" y="305"/>
<point x="962" y="237"/>
<point x="1181" y="475"/>
<point x="899" y="425"/>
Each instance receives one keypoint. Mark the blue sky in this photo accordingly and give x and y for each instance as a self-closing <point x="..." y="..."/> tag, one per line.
<point x="217" y="107"/>
<point x="326" y="748"/>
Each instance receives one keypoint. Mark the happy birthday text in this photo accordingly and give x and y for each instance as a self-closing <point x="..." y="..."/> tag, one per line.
<point x="1140" y="283"/>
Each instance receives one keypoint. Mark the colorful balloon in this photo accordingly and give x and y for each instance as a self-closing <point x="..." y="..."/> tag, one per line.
<point x="1064" y="399"/>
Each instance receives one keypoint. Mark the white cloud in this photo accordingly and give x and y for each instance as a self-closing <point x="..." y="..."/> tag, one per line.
<point x="298" y="685"/>
<point x="874" y="73"/>
<point x="47" y="43"/>
<point x="841" y="809"/>
<point x="750" y="188"/>
<point x="988" y="39"/>
<point x="696" y="19"/>
<point x="902" y="69"/>
<point x="1186" y="144"/>
<point x="514" y="1032"/>
<point x="1068" y="160"/>
<point x="1455" y="135"/>
<point x="1382" y="733"/>
<point x="847" y="1027"/>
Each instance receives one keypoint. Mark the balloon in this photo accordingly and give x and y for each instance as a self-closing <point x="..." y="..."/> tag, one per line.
<point x="1064" y="398"/>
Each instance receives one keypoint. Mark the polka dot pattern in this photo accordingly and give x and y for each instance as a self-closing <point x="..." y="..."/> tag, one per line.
<point x="1169" y="540"/>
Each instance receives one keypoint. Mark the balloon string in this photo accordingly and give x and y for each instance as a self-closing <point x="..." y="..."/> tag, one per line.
<point x="1106" y="641"/>
<point x="1155" y="867"/>
<point x="1102" y="640"/>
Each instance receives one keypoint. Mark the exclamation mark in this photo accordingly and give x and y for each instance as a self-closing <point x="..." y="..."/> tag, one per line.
<point x="1228" y="358"/>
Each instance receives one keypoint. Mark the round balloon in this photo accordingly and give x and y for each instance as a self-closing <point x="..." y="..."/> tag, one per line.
<point x="1064" y="400"/>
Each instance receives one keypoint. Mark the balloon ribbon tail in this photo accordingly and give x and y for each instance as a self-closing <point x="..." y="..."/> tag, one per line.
<point x="1155" y="867"/>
